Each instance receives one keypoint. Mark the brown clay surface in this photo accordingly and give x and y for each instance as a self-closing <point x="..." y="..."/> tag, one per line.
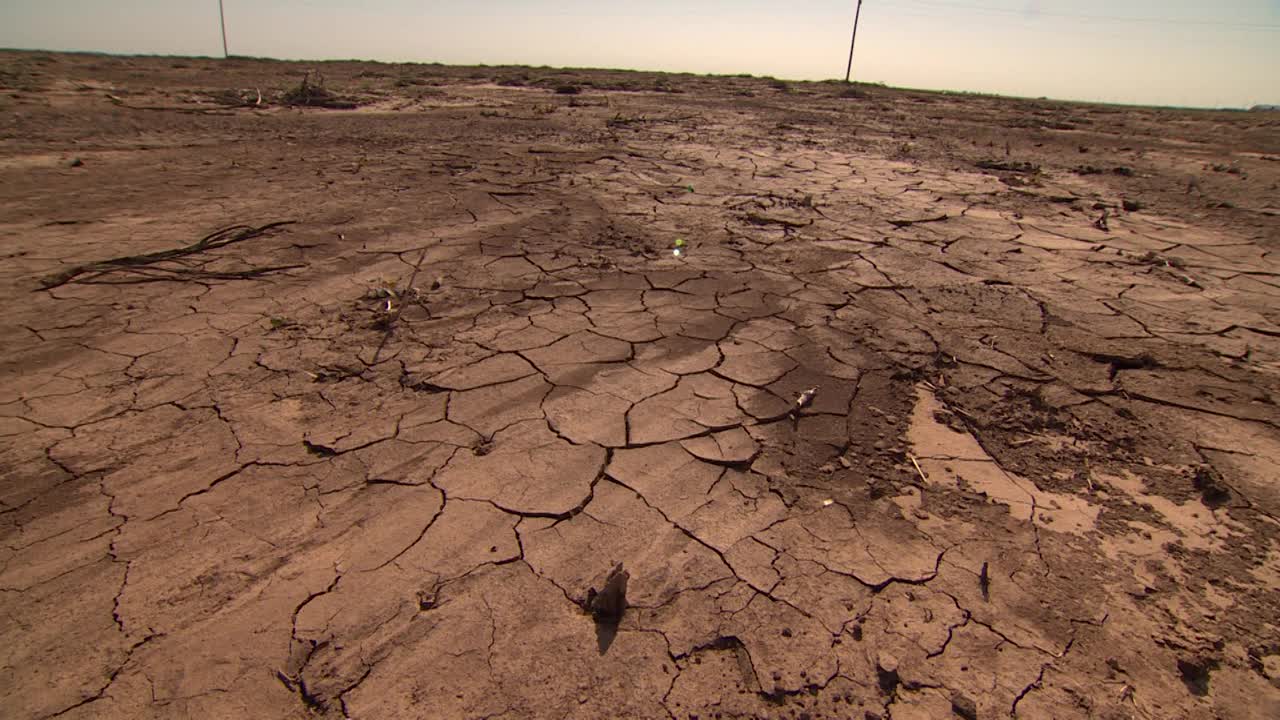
<point x="1038" y="479"/>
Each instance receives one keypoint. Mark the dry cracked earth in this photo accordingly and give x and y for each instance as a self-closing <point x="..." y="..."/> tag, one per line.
<point x="370" y="463"/>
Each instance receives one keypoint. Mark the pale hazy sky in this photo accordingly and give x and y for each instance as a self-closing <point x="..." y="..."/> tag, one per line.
<point x="1176" y="52"/>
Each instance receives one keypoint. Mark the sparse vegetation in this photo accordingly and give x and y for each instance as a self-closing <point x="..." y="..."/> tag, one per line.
<point x="237" y="98"/>
<point x="311" y="92"/>
<point x="1012" y="166"/>
<point x="621" y="120"/>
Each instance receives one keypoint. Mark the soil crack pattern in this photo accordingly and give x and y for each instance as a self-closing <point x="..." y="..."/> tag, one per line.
<point x="877" y="405"/>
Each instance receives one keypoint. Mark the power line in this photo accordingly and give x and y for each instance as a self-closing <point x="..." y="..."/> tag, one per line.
<point x="1080" y="16"/>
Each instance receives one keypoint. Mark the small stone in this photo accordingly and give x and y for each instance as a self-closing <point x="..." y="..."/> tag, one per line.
<point x="76" y="162"/>
<point x="786" y="632"/>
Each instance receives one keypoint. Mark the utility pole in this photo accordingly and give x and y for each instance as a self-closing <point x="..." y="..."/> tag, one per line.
<point x="848" y="70"/>
<point x="222" y="17"/>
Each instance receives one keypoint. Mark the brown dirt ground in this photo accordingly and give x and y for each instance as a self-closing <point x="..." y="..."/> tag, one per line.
<point x="1038" y="479"/>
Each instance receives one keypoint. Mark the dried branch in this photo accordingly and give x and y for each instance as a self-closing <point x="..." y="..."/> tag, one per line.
<point x="147" y="268"/>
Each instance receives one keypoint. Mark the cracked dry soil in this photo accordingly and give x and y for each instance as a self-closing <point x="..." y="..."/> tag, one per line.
<point x="1038" y="478"/>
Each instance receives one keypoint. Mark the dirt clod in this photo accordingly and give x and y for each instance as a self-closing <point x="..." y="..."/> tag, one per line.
<point x="1196" y="673"/>
<point x="962" y="706"/>
<point x="610" y="602"/>
<point x="1213" y="490"/>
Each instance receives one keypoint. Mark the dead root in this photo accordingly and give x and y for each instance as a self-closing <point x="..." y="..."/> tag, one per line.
<point x="179" y="264"/>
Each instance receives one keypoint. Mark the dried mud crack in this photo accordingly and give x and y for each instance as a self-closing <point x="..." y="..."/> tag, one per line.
<point x="904" y="431"/>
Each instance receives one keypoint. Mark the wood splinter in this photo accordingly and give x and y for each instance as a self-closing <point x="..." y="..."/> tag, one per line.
<point x="919" y="470"/>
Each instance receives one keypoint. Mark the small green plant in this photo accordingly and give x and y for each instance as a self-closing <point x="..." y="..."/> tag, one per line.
<point x="279" y="323"/>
